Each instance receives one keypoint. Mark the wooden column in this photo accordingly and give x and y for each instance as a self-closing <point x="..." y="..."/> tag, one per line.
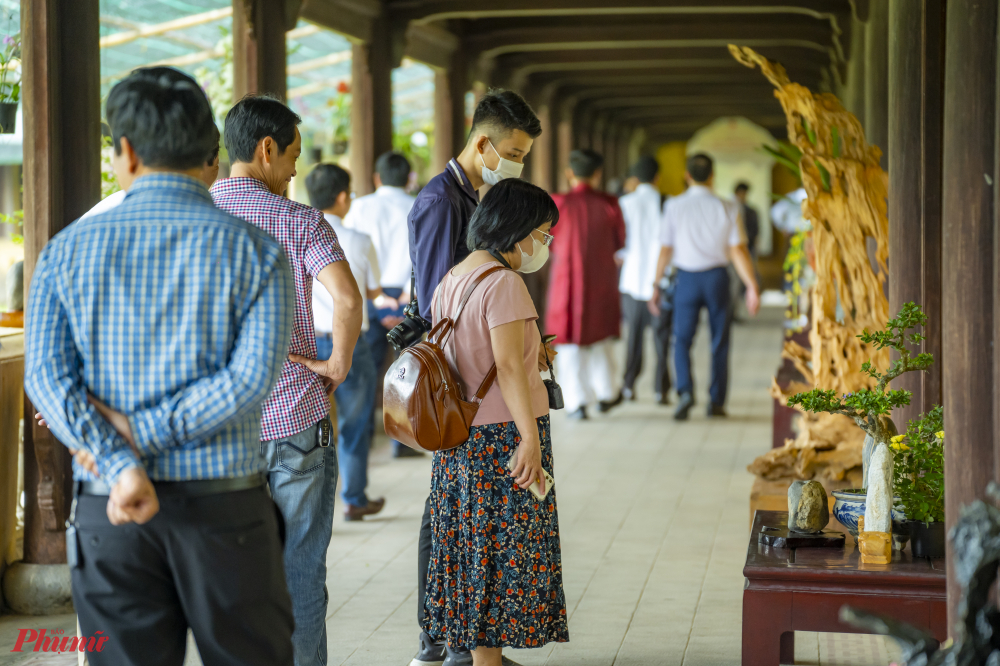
<point x="916" y="52"/>
<point x="62" y="145"/>
<point x="371" y="104"/>
<point x="564" y="145"/>
<point x="259" y="54"/>
<point x="877" y="77"/>
<point x="611" y="169"/>
<point x="450" y="87"/>
<point x="624" y="139"/>
<point x="543" y="151"/>
<point x="854" y="93"/>
<point x="968" y="258"/>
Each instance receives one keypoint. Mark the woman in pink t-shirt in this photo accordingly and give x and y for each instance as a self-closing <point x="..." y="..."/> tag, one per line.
<point x="495" y="576"/>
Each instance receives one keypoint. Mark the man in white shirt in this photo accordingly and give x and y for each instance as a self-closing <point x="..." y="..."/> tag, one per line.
<point x="382" y="215"/>
<point x="701" y="234"/>
<point x="643" y="212"/>
<point x="329" y="188"/>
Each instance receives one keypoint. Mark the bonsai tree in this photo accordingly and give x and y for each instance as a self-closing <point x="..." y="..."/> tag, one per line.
<point x="918" y="467"/>
<point x="870" y="407"/>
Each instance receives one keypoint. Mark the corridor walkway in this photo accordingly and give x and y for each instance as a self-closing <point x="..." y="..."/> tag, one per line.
<point x="654" y="528"/>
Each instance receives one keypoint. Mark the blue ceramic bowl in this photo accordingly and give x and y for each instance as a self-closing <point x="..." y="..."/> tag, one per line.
<point x="849" y="505"/>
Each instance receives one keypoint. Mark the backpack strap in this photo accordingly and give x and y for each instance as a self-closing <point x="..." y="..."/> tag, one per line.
<point x="465" y="299"/>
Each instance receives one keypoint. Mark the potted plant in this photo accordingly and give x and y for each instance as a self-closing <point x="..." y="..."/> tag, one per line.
<point x="10" y="82"/>
<point x="870" y="407"/>
<point x="341" y="118"/>
<point x="918" y="479"/>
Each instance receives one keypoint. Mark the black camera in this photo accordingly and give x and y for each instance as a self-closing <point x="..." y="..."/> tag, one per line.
<point x="555" y="393"/>
<point x="409" y="331"/>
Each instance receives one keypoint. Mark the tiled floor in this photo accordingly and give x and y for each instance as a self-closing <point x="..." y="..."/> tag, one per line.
<point x="654" y="530"/>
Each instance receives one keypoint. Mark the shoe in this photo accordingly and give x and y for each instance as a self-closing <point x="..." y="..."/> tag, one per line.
<point x="716" y="410"/>
<point x="579" y="414"/>
<point x="353" y="513"/>
<point x="605" y="406"/>
<point x="457" y="657"/>
<point x="430" y="653"/>
<point x="684" y="404"/>
<point x="662" y="398"/>
<point x="628" y="394"/>
<point x="404" y="451"/>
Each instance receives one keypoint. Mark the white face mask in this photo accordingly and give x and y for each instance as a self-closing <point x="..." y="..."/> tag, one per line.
<point x="532" y="262"/>
<point x="505" y="169"/>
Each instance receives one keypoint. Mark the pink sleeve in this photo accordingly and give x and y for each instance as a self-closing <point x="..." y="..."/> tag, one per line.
<point x="506" y="299"/>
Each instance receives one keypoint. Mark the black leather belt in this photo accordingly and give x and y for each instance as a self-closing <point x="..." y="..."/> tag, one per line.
<point x="186" y="488"/>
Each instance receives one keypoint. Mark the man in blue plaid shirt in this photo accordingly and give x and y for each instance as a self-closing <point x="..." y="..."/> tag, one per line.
<point x="155" y="331"/>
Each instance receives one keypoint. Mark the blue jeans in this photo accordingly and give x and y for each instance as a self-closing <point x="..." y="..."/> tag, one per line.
<point x="355" y="407"/>
<point x="303" y="479"/>
<point x="696" y="290"/>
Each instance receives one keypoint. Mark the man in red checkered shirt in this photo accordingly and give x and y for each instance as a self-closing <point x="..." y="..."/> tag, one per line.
<point x="263" y="141"/>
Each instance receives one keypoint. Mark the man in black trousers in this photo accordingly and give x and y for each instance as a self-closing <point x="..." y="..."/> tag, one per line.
<point x="155" y="332"/>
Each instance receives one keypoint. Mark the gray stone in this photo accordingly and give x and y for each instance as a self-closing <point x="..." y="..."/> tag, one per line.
<point x="38" y="589"/>
<point x="808" y="507"/>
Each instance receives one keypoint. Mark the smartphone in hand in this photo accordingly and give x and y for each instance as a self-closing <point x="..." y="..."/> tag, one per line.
<point x="533" y="488"/>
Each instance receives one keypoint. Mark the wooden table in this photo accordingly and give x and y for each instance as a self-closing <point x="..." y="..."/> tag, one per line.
<point x="802" y="590"/>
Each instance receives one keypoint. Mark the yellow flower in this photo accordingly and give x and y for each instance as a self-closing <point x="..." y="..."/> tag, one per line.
<point x="939" y="434"/>
<point x="897" y="443"/>
<point x="897" y="439"/>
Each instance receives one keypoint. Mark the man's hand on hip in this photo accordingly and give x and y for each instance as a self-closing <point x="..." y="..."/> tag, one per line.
<point x="133" y="498"/>
<point x="332" y="373"/>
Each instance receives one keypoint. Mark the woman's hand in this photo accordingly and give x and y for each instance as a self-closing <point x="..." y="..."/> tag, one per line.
<point x="528" y="468"/>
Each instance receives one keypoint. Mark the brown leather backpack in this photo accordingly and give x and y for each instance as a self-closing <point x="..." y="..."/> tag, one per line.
<point x="423" y="405"/>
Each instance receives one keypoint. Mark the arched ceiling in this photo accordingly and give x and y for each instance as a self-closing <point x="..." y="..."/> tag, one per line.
<point x="658" y="65"/>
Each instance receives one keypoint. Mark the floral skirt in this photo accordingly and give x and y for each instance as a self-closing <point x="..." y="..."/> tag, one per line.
<point x="495" y="574"/>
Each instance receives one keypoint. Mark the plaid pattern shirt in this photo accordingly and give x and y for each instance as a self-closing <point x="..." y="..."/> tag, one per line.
<point x="171" y="312"/>
<point x="298" y="400"/>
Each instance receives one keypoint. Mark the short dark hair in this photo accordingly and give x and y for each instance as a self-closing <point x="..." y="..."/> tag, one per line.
<point x="503" y="111"/>
<point x="215" y="151"/>
<point x="325" y="183"/>
<point x="508" y="213"/>
<point x="741" y="187"/>
<point x="584" y="162"/>
<point x="256" y="117"/>
<point x="165" y="116"/>
<point x="393" y="169"/>
<point x="699" y="167"/>
<point x="646" y="169"/>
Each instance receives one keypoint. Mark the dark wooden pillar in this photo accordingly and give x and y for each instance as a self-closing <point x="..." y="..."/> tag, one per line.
<point x="877" y="77"/>
<point x="854" y="91"/>
<point x="916" y="53"/>
<point x="564" y="144"/>
<point x="259" y="53"/>
<point x="371" y="104"/>
<point x="543" y="150"/>
<point x="62" y="144"/>
<point x="450" y="87"/>
<point x="968" y="258"/>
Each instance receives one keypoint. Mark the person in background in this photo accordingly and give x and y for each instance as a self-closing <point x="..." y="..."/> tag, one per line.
<point x="643" y="214"/>
<point x="170" y="518"/>
<point x="751" y="222"/>
<point x="503" y="129"/>
<point x="382" y="216"/>
<point x="329" y="188"/>
<point x="263" y="141"/>
<point x="701" y="235"/>
<point x="495" y="577"/>
<point x="584" y="308"/>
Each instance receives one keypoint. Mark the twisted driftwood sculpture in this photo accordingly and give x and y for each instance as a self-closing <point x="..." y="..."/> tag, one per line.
<point x="846" y="204"/>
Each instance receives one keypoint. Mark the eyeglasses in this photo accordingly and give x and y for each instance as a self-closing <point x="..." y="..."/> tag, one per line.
<point x="547" y="241"/>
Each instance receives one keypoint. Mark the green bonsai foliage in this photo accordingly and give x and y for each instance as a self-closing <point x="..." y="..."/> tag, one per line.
<point x="866" y="406"/>
<point x="918" y="467"/>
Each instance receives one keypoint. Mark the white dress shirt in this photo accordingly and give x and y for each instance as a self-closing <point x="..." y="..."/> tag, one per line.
<point x="360" y="254"/>
<point x="787" y="212"/>
<point x="643" y="218"/>
<point x="106" y="204"/>
<point x="382" y="215"/>
<point x="701" y="228"/>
